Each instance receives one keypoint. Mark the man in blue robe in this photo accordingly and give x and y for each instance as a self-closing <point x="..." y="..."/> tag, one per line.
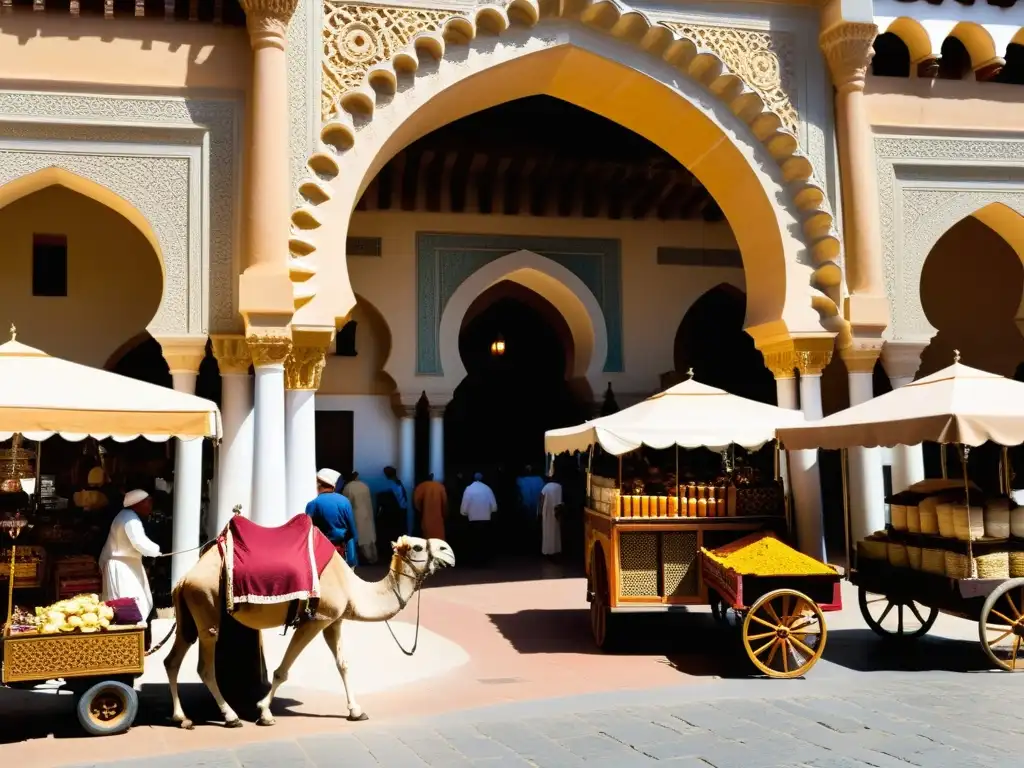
<point x="332" y="514"/>
<point x="401" y="498"/>
<point x="530" y="485"/>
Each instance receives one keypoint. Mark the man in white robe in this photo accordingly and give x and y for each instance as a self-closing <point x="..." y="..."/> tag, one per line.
<point x="121" y="558"/>
<point x="550" y="521"/>
<point x="358" y="494"/>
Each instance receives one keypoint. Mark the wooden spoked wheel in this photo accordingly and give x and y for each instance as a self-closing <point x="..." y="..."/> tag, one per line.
<point x="600" y="604"/>
<point x="1002" y="626"/>
<point x="894" y="617"/>
<point x="784" y="633"/>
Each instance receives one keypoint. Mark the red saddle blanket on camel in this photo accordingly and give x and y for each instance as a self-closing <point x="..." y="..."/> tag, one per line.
<point x="273" y="565"/>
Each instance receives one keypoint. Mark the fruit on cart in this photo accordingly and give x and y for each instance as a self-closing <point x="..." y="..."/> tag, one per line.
<point x="83" y="613"/>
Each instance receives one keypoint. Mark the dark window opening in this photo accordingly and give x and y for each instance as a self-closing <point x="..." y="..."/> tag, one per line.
<point x="49" y="265"/>
<point x="892" y="57"/>
<point x="345" y="346"/>
<point x="1013" y="72"/>
<point x="955" y="61"/>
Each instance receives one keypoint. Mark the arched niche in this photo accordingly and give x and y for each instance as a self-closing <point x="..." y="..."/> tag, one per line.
<point x="363" y="373"/>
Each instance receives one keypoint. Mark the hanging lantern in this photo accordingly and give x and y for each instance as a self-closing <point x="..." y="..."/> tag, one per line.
<point x="16" y="464"/>
<point x="498" y="347"/>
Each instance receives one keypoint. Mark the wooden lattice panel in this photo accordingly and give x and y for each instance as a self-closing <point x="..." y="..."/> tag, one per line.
<point x="48" y="657"/>
<point x="679" y="564"/>
<point x="638" y="564"/>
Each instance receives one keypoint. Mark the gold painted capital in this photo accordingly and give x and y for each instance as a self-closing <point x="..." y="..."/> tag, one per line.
<point x="861" y="357"/>
<point x="809" y="356"/>
<point x="848" y="48"/>
<point x="267" y="21"/>
<point x="268" y="349"/>
<point x="232" y="353"/>
<point x="304" y="367"/>
<point x="183" y="354"/>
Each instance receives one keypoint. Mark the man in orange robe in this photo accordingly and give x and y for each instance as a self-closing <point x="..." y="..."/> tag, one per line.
<point x="431" y="501"/>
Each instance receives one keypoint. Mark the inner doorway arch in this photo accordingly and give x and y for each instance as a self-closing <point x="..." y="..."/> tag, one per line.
<point x="617" y="64"/>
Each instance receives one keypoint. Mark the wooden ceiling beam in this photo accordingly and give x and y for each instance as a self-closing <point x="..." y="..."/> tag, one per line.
<point x="459" y="186"/>
<point x="411" y="179"/>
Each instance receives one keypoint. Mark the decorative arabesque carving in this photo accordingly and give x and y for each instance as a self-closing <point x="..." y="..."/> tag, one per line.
<point x="356" y="37"/>
<point x="233" y="355"/>
<point x="849" y="48"/>
<point x="764" y="60"/>
<point x="304" y="367"/>
<point x="269" y="349"/>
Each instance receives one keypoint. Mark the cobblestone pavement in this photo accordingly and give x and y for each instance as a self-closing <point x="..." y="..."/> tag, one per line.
<point x="931" y="720"/>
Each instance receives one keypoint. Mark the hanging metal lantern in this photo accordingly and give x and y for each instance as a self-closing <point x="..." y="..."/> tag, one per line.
<point x="498" y="347"/>
<point x="16" y="463"/>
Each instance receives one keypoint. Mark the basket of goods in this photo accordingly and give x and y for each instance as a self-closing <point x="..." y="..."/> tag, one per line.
<point x="914" y="557"/>
<point x="968" y="523"/>
<point x="1016" y="564"/>
<point x="997" y="519"/>
<point x="21" y="621"/>
<point x="913" y="518"/>
<point x="929" y="515"/>
<point x="933" y="561"/>
<point x="767" y="556"/>
<point x="83" y="613"/>
<point x="945" y="513"/>
<point x="1017" y="522"/>
<point x="898" y="516"/>
<point x="897" y="554"/>
<point x="873" y="547"/>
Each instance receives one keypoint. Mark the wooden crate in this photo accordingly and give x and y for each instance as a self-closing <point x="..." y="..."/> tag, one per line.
<point x="37" y="658"/>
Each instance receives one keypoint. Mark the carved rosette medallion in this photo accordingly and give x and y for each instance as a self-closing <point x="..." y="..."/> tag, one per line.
<point x="763" y="60"/>
<point x="304" y="367"/>
<point x="355" y="37"/>
<point x="233" y="355"/>
<point x="268" y="349"/>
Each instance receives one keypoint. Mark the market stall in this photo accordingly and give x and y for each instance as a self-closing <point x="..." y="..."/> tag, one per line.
<point x="671" y="539"/>
<point x="946" y="547"/>
<point x="51" y="633"/>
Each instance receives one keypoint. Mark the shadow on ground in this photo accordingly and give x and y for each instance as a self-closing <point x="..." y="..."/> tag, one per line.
<point x="694" y="644"/>
<point x="501" y="570"/>
<point x="46" y="713"/>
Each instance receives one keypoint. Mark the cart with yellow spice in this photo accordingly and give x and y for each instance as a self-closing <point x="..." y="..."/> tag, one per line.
<point x="945" y="548"/>
<point x="654" y="546"/>
<point x="79" y="641"/>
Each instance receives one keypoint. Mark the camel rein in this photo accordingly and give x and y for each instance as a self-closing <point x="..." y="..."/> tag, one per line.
<point x="174" y="625"/>
<point x="418" y="580"/>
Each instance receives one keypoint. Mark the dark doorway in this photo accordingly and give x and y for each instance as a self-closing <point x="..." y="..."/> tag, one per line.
<point x="335" y="440"/>
<point x="712" y="342"/>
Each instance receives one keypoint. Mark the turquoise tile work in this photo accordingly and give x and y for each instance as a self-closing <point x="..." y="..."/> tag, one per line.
<point x="445" y="261"/>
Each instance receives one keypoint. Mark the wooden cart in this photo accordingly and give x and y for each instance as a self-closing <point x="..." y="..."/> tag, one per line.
<point x="100" y="668"/>
<point x="900" y="604"/>
<point x="774" y="613"/>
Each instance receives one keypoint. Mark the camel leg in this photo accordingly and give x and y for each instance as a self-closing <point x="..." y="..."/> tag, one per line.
<point x="304" y="633"/>
<point x="173" y="664"/>
<point x="208" y="671"/>
<point x="333" y="637"/>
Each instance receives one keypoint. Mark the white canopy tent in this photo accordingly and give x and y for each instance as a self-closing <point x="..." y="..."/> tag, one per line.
<point x="958" y="404"/>
<point x="42" y="396"/>
<point x="688" y="415"/>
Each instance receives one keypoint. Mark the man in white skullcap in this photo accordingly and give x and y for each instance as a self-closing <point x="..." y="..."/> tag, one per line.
<point x="332" y="514"/>
<point x="121" y="558"/>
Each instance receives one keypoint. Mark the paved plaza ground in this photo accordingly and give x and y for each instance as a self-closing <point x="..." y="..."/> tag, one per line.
<point x="506" y="674"/>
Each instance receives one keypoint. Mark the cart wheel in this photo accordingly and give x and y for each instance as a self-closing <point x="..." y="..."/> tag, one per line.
<point x="602" y="622"/>
<point x="784" y="633"/>
<point x="1002" y="626"/>
<point x="895" y="618"/>
<point x="108" y="708"/>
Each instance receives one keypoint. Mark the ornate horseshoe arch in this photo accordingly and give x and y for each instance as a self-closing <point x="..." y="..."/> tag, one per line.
<point x="368" y="126"/>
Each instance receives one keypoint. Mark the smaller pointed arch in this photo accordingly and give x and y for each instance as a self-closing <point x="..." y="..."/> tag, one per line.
<point x="53" y="175"/>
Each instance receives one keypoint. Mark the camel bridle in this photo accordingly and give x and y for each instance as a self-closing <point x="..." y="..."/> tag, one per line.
<point x="417" y="576"/>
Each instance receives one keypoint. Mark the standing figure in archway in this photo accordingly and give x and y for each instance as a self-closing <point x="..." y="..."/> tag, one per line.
<point x="478" y="506"/>
<point x="530" y="485"/>
<point x="358" y="494"/>
<point x="431" y="500"/>
<point x="551" y="518"/>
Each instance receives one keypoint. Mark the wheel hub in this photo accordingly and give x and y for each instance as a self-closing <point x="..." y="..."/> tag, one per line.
<point x="782" y="633"/>
<point x="107" y="708"/>
<point x="1018" y="629"/>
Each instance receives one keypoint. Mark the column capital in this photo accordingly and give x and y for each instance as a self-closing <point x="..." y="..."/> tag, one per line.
<point x="183" y="353"/>
<point x="861" y="356"/>
<point x="809" y="356"/>
<point x="267" y="21"/>
<point x="848" y="47"/>
<point x="902" y="359"/>
<point x="232" y="353"/>
<point x="437" y="411"/>
<point x="268" y="348"/>
<point x="304" y="367"/>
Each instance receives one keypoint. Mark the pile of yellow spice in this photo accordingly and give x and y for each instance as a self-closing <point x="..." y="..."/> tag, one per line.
<point x="767" y="556"/>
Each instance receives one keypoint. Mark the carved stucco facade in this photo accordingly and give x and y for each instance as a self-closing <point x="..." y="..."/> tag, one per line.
<point x="924" y="190"/>
<point x="177" y="161"/>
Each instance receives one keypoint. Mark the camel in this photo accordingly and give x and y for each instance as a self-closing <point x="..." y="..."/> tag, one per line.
<point x="343" y="595"/>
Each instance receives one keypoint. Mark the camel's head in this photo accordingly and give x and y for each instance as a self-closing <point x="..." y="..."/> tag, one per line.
<point x="424" y="556"/>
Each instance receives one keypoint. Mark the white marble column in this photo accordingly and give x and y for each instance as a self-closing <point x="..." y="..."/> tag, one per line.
<point x="809" y="357"/>
<point x="866" y="482"/>
<point x="407" y="448"/>
<point x="303" y="370"/>
<point x="901" y="361"/>
<point x="183" y="357"/>
<point x="234" y="457"/>
<point x="437" y="442"/>
<point x="269" y="498"/>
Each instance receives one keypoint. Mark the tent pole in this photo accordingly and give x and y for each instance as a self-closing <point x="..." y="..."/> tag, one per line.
<point x="965" y="451"/>
<point x="942" y="458"/>
<point x="679" y="493"/>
